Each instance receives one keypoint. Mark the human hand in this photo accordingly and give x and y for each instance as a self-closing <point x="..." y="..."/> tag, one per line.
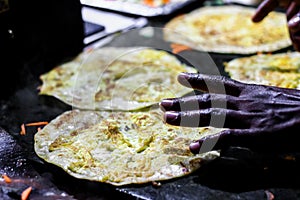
<point x="259" y="117"/>
<point x="292" y="8"/>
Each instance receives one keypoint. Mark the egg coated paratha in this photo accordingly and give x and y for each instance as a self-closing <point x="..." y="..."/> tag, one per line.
<point x="114" y="78"/>
<point x="281" y="70"/>
<point x="120" y="147"/>
<point x="229" y="29"/>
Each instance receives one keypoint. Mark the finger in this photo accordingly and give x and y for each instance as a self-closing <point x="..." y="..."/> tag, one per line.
<point x="206" y="101"/>
<point x="213" y="142"/>
<point x="226" y="138"/>
<point x="264" y="9"/>
<point x="211" y="83"/>
<point x="263" y="140"/>
<point x="215" y="117"/>
<point x="195" y="102"/>
<point x="294" y="28"/>
<point x="292" y="10"/>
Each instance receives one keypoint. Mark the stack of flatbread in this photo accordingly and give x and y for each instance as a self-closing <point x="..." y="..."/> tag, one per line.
<point x="115" y="133"/>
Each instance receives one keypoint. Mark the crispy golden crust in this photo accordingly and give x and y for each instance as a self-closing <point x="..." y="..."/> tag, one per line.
<point x="229" y="29"/>
<point x="120" y="147"/>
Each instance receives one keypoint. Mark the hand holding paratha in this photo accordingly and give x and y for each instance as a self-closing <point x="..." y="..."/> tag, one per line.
<point x="259" y="117"/>
<point x="292" y="12"/>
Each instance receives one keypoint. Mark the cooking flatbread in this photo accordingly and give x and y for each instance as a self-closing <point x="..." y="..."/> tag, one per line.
<point x="280" y="69"/>
<point x="112" y="78"/>
<point x="120" y="147"/>
<point x="229" y="29"/>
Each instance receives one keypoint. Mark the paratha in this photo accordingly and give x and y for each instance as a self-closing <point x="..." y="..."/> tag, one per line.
<point x="120" y="147"/>
<point x="228" y="29"/>
<point x="281" y="69"/>
<point x="115" y="78"/>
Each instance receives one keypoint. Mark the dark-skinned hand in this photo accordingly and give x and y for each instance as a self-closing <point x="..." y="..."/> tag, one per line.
<point x="292" y="8"/>
<point x="262" y="118"/>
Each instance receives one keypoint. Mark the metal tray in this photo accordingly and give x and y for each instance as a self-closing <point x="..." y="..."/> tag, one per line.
<point x="138" y="9"/>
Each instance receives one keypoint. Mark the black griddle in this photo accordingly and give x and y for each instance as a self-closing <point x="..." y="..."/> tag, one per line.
<point x="238" y="173"/>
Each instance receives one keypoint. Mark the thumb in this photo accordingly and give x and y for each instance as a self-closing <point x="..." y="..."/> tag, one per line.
<point x="250" y="138"/>
<point x="211" y="142"/>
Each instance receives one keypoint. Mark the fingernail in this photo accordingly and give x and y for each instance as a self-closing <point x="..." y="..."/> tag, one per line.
<point x="195" y="147"/>
<point x="171" y="116"/>
<point x="184" y="76"/>
<point x="166" y="103"/>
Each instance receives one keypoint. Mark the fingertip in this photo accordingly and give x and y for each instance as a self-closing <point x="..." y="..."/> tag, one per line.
<point x="255" y="18"/>
<point x="216" y="141"/>
<point x="195" y="147"/>
<point x="263" y="9"/>
<point x="171" y="117"/>
<point x="166" y="104"/>
<point x="184" y="78"/>
<point x="258" y="16"/>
